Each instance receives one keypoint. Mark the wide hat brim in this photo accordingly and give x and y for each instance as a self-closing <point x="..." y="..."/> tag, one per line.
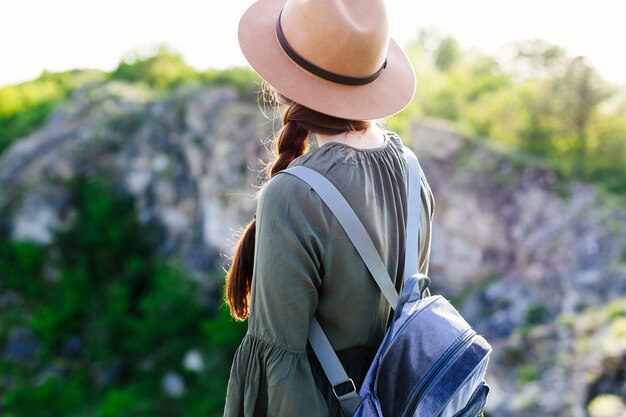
<point x="388" y="94"/>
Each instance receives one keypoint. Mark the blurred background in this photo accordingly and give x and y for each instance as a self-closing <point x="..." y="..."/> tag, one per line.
<point x="131" y="150"/>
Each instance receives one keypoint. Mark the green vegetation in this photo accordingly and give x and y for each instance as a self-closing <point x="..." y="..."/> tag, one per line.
<point x="166" y="70"/>
<point x="596" y="317"/>
<point x="163" y="71"/>
<point x="541" y="102"/>
<point x="601" y="331"/>
<point x="513" y="355"/>
<point x="459" y="300"/>
<point x="536" y="314"/>
<point x="527" y="373"/>
<point x="25" y="106"/>
<point x="108" y="321"/>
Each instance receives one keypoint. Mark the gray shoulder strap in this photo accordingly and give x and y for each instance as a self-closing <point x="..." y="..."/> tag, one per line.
<point x="351" y="225"/>
<point x="357" y="232"/>
<point x="411" y="259"/>
<point x="333" y="369"/>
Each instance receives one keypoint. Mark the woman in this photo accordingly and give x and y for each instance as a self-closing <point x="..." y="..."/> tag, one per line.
<point x="334" y="66"/>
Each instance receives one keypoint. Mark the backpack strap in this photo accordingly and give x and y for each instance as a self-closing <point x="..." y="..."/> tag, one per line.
<point x="358" y="234"/>
<point x="351" y="225"/>
<point x="333" y="369"/>
<point x="363" y="243"/>
<point x="411" y="258"/>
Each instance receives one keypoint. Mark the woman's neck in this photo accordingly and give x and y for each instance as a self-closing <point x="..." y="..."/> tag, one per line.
<point x="372" y="137"/>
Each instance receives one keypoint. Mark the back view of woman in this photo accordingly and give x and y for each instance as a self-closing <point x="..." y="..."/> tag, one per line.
<point x="336" y="70"/>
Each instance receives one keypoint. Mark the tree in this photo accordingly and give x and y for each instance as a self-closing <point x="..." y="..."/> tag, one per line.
<point x="447" y="54"/>
<point x="536" y="59"/>
<point x="162" y="69"/>
<point x="580" y="90"/>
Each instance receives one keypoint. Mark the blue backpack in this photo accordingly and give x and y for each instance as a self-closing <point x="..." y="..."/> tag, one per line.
<point x="431" y="363"/>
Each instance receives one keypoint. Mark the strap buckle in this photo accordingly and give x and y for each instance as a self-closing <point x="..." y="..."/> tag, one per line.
<point x="348" y="394"/>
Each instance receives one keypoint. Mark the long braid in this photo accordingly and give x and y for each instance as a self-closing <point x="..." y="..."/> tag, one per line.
<point x="291" y="141"/>
<point x="298" y="121"/>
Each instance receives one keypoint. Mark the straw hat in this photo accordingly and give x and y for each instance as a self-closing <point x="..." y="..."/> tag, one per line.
<point x="333" y="56"/>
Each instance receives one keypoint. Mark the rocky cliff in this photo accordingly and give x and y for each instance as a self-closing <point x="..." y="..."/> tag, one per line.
<point x="190" y="160"/>
<point x="536" y="264"/>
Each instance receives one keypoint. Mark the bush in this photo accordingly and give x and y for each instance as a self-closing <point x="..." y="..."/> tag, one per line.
<point x="113" y="322"/>
<point x="24" y="107"/>
<point x="162" y="70"/>
<point x="244" y="80"/>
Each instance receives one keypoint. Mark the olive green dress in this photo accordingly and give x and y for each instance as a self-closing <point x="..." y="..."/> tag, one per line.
<point x="305" y="264"/>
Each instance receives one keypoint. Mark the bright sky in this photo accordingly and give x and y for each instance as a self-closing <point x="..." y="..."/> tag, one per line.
<point x="64" y="34"/>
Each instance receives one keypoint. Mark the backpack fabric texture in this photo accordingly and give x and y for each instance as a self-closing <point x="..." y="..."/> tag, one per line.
<point x="431" y="363"/>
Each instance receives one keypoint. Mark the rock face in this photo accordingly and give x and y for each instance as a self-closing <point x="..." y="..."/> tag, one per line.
<point x="498" y="215"/>
<point x="527" y="257"/>
<point x="190" y="160"/>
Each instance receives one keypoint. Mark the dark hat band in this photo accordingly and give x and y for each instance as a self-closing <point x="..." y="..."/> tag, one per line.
<point x="321" y="72"/>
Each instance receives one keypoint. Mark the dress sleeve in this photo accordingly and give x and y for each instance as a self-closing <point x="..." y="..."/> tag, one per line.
<point x="271" y="375"/>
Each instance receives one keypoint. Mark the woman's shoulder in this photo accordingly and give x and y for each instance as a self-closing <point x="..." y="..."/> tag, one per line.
<point x="288" y="200"/>
<point x="284" y="190"/>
